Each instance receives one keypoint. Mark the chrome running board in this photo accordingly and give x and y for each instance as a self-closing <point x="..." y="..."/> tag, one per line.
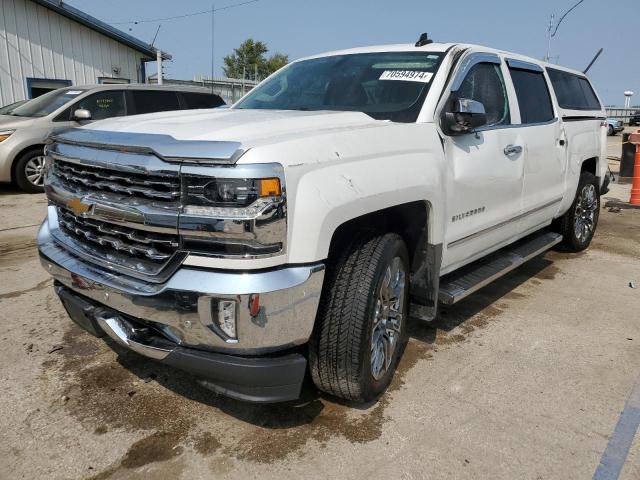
<point x="463" y="282"/>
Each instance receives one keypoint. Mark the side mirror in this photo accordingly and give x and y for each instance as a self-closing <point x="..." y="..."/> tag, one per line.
<point x="81" y="115"/>
<point x="464" y="116"/>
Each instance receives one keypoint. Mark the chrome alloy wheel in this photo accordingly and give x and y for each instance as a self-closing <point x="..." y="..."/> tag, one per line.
<point x="585" y="213"/>
<point x="34" y="170"/>
<point x="387" y="321"/>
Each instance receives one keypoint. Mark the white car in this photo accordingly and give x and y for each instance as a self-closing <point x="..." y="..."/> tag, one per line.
<point x="298" y="230"/>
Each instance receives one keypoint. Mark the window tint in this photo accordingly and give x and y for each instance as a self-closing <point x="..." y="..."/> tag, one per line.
<point x="150" y="101"/>
<point x="533" y="96"/>
<point x="201" y="100"/>
<point x="385" y="85"/>
<point x="105" y="104"/>
<point x="65" y="116"/>
<point x="484" y="83"/>
<point x="572" y="91"/>
<point x="589" y="95"/>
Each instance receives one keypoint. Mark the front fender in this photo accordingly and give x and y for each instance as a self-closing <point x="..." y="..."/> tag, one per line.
<point x="402" y="165"/>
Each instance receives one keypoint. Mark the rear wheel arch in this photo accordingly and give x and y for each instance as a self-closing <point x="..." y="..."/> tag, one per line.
<point x="590" y="165"/>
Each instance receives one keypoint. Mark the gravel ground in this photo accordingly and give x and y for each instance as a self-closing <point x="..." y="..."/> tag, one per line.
<point x="525" y="379"/>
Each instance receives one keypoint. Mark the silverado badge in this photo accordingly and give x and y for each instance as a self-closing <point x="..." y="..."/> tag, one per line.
<point x="77" y="206"/>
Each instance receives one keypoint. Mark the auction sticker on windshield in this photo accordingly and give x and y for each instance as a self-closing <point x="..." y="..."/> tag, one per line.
<point x="407" y="75"/>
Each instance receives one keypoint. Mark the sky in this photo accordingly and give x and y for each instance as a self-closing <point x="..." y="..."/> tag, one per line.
<point x="301" y="27"/>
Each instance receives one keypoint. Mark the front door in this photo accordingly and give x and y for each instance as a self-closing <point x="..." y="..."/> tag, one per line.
<point x="485" y="180"/>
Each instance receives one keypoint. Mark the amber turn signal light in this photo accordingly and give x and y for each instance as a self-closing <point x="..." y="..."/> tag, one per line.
<point x="270" y="187"/>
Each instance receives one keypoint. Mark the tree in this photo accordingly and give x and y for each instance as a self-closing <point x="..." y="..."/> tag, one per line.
<point x="250" y="58"/>
<point x="276" y="62"/>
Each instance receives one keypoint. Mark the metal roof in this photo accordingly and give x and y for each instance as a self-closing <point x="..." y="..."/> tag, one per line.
<point x="99" y="26"/>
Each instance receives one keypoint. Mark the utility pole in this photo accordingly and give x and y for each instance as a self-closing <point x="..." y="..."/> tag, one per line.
<point x="159" y="64"/>
<point x="213" y="11"/>
<point x="553" y="29"/>
<point x="244" y="71"/>
<point x="549" y="28"/>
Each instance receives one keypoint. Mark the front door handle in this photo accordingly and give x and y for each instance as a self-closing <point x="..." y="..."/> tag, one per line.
<point x="512" y="150"/>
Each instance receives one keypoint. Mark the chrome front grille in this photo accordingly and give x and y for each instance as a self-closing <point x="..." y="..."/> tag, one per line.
<point x="139" y="251"/>
<point x="157" y="247"/>
<point x="150" y="186"/>
<point x="116" y="208"/>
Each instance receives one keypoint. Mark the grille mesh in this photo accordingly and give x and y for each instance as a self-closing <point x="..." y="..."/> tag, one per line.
<point x="154" y="247"/>
<point x="155" y="187"/>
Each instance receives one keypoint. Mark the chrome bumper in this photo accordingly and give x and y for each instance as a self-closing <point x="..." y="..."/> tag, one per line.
<point x="181" y="308"/>
<point x="268" y="378"/>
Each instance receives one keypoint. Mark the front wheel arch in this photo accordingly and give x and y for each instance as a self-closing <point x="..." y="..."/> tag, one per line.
<point x="37" y="146"/>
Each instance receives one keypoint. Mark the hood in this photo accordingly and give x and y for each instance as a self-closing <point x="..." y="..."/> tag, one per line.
<point x="8" y="122"/>
<point x="248" y="127"/>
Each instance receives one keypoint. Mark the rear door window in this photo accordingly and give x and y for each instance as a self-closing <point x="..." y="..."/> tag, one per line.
<point x="533" y="96"/>
<point x="194" y="100"/>
<point x="106" y="104"/>
<point x="150" y="101"/>
<point x="573" y="91"/>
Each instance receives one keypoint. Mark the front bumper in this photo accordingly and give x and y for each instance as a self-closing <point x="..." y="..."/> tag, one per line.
<point x="7" y="154"/>
<point x="180" y="312"/>
<point x="255" y="379"/>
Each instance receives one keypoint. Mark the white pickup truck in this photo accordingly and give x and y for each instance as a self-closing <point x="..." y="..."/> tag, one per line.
<point x="299" y="230"/>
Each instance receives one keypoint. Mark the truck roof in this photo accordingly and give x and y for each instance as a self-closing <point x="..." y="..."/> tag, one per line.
<point x="439" y="47"/>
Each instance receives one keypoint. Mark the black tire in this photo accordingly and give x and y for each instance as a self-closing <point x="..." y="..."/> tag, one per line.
<point x="340" y="351"/>
<point x="610" y="131"/>
<point x="568" y="224"/>
<point x="26" y="160"/>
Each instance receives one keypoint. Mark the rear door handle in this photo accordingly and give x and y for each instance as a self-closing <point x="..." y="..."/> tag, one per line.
<point x="512" y="150"/>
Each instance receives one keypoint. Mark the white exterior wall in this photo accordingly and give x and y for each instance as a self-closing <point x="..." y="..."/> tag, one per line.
<point x="39" y="43"/>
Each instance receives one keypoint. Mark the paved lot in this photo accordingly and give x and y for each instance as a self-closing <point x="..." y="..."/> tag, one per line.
<point x="526" y="379"/>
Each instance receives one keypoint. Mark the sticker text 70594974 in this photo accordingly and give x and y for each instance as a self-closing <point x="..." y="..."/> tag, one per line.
<point x="407" y="75"/>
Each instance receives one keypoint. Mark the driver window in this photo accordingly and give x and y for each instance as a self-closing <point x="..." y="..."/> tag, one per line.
<point x="107" y="104"/>
<point x="484" y="83"/>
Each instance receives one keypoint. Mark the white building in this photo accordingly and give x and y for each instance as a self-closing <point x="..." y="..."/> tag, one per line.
<point x="46" y="44"/>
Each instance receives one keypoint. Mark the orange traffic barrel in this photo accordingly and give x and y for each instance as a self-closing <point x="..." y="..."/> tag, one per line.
<point x="635" y="185"/>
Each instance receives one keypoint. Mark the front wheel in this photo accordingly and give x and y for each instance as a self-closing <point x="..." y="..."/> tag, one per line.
<point x="578" y="224"/>
<point x="361" y="325"/>
<point x="29" y="171"/>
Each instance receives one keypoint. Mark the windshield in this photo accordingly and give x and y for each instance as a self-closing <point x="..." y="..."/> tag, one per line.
<point x="386" y="86"/>
<point x="46" y="104"/>
<point x="8" y="108"/>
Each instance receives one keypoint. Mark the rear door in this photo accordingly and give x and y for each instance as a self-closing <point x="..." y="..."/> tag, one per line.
<point x="544" y="145"/>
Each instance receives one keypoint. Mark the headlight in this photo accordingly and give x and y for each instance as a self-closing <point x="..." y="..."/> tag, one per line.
<point x="233" y="198"/>
<point x="234" y="212"/>
<point x="4" y="134"/>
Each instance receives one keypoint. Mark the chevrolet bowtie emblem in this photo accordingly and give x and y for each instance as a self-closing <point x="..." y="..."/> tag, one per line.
<point x="77" y="206"/>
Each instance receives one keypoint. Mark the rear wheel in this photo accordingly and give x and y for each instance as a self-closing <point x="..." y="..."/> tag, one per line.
<point x="579" y="223"/>
<point x="29" y="171"/>
<point x="361" y="326"/>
